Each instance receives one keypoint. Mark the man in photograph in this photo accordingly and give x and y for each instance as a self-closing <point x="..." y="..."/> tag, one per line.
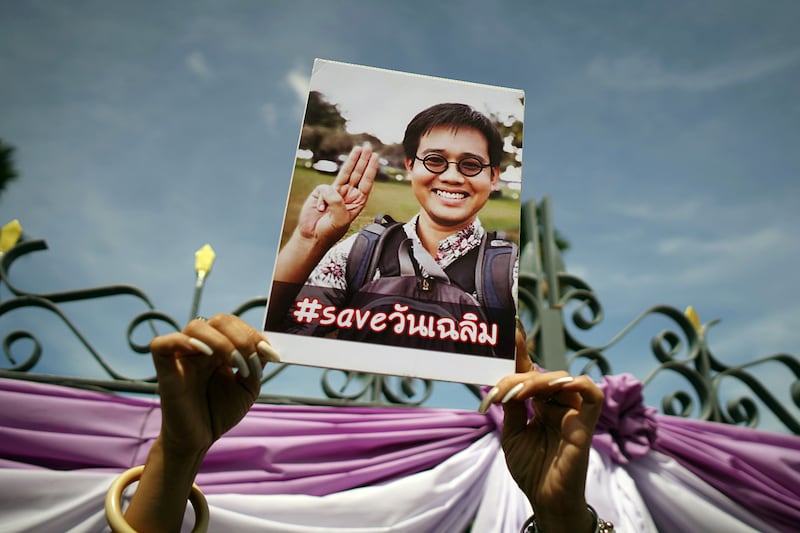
<point x="438" y="281"/>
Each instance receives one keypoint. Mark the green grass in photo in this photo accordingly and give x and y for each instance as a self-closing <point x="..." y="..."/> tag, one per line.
<point x="396" y="199"/>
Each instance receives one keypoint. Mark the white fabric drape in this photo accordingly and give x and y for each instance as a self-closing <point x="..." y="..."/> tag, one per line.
<point x="678" y="498"/>
<point x="444" y="498"/>
<point x="472" y="483"/>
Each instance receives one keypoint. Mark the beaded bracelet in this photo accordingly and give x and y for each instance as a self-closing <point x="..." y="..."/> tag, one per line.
<point x="598" y="524"/>
<point x="113" y="505"/>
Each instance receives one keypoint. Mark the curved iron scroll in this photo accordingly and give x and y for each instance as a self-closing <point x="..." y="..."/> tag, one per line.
<point x="338" y="387"/>
<point x="560" y="310"/>
<point x="680" y="349"/>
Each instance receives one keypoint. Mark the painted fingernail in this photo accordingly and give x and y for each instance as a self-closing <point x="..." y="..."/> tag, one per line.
<point x="265" y="349"/>
<point x="487" y="400"/>
<point x="238" y="362"/>
<point x="513" y="392"/>
<point x="200" y="345"/>
<point x="255" y="365"/>
<point x="559" y="381"/>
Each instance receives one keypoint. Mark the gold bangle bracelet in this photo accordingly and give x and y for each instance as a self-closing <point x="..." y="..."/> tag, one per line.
<point x="118" y="523"/>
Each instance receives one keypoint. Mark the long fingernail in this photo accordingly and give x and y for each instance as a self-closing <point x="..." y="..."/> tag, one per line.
<point x="513" y="392"/>
<point x="238" y="362"/>
<point x="200" y="345"/>
<point x="255" y="365"/>
<point x="487" y="400"/>
<point x="265" y="349"/>
<point x="559" y="381"/>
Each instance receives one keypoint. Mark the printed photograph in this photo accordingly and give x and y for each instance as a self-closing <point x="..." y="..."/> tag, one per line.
<point x="398" y="252"/>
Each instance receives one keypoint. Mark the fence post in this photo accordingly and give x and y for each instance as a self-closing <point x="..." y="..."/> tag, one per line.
<point x="552" y="348"/>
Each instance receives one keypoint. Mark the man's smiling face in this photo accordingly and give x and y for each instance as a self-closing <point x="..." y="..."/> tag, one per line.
<point x="450" y="201"/>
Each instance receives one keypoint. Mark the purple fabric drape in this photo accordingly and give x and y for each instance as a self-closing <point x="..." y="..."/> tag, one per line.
<point x="759" y="470"/>
<point x="322" y="450"/>
<point x="626" y="428"/>
<point x="756" y="469"/>
<point x="274" y="450"/>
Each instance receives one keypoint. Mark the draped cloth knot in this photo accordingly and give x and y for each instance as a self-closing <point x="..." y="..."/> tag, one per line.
<point x="626" y="428"/>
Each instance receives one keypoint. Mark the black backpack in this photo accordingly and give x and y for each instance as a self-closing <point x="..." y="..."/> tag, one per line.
<point x="468" y="307"/>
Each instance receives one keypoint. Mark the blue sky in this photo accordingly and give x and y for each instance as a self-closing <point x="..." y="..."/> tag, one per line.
<point x="667" y="135"/>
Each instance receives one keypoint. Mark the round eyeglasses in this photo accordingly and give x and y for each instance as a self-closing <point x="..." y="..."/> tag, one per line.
<point x="469" y="166"/>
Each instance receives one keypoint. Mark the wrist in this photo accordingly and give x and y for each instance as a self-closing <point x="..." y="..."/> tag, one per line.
<point x="298" y="257"/>
<point x="181" y="439"/>
<point x="315" y="243"/>
<point x="182" y="457"/>
<point x="581" y="519"/>
<point x="537" y="524"/>
<point x="164" y="487"/>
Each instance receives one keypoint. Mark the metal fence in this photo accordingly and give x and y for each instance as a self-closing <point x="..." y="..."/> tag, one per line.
<point x="557" y="308"/>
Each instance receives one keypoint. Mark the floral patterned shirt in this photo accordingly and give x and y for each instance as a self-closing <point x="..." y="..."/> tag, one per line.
<point x="330" y="272"/>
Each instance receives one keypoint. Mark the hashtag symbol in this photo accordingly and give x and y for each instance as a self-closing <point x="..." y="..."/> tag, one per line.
<point x="307" y="310"/>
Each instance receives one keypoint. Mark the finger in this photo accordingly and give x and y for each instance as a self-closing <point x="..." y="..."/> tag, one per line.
<point x="345" y="175"/>
<point x="328" y="198"/>
<point x="555" y="404"/>
<point x="267" y="351"/>
<point x="578" y="399"/>
<point x="315" y="199"/>
<point x="591" y="395"/>
<point x="257" y="360"/>
<point x="523" y="365"/>
<point x="534" y="384"/>
<point x="168" y="352"/>
<point x="165" y="346"/>
<point x="487" y="400"/>
<point x="322" y="196"/>
<point x="249" y="342"/>
<point x="168" y="347"/>
<point x="223" y="349"/>
<point x="368" y="179"/>
<point x="245" y="339"/>
<point x="362" y="164"/>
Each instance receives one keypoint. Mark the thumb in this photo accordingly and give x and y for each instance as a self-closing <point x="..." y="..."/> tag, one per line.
<point x="523" y="360"/>
<point x="338" y="219"/>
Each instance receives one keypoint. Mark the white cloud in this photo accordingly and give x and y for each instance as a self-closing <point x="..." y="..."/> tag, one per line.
<point x="698" y="262"/>
<point x="298" y="81"/>
<point x="641" y="71"/>
<point x="197" y="65"/>
<point x="668" y="212"/>
<point x="705" y="267"/>
<point x="727" y="248"/>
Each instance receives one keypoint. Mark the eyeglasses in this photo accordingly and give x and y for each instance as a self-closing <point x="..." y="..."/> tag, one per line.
<point x="469" y="166"/>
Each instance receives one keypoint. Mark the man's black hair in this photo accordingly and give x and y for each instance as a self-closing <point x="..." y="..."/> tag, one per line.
<point x="455" y="116"/>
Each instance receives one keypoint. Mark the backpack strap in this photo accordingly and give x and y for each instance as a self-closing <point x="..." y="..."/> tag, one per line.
<point x="494" y="268"/>
<point x="494" y="272"/>
<point x="362" y="260"/>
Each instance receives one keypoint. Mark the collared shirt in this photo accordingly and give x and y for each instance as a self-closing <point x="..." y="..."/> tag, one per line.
<point x="330" y="272"/>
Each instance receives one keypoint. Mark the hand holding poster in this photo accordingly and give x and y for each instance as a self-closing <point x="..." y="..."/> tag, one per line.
<point x="430" y="296"/>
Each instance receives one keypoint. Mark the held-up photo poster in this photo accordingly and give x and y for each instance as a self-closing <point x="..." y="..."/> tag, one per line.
<point x="398" y="253"/>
